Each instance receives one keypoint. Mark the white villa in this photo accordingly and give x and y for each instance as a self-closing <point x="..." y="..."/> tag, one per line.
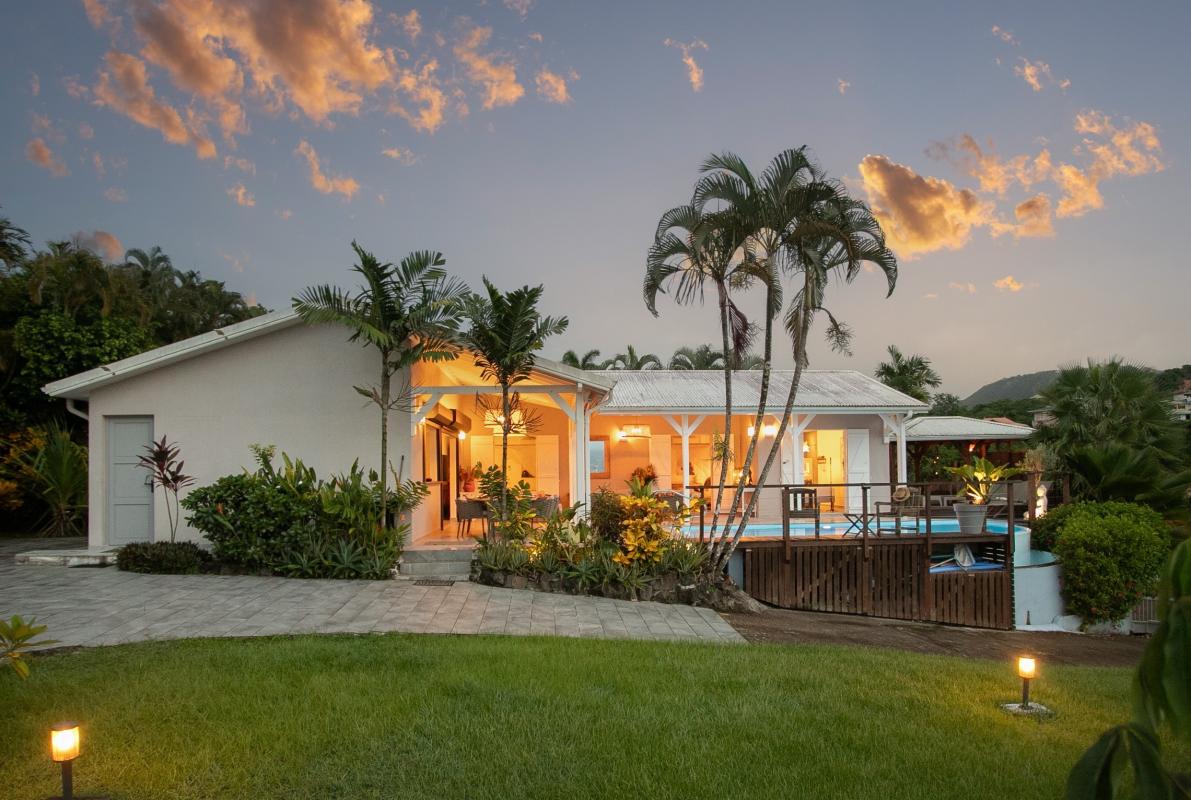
<point x="277" y="381"/>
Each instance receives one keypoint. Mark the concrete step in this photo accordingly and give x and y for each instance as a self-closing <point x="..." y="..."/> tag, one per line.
<point x="459" y="570"/>
<point x="80" y="557"/>
<point x="460" y="553"/>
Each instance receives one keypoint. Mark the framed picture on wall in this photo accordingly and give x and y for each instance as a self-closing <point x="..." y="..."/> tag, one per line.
<point x="599" y="457"/>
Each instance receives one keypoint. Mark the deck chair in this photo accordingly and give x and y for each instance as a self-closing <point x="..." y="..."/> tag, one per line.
<point x="671" y="498"/>
<point x="467" y="509"/>
<point x="803" y="504"/>
<point x="906" y="501"/>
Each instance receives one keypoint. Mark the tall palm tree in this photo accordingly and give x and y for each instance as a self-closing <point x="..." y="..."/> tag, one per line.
<point x="505" y="331"/>
<point x="833" y="237"/>
<point x="408" y="313"/>
<point x="630" y="359"/>
<point x="912" y="375"/>
<point x="701" y="357"/>
<point x="589" y="360"/>
<point x="693" y="251"/>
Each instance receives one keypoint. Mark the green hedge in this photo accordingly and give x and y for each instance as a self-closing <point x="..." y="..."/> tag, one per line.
<point x="162" y="558"/>
<point x="1111" y="554"/>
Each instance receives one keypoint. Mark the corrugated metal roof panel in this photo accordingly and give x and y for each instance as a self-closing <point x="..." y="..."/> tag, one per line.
<point x="703" y="391"/>
<point x="925" y="429"/>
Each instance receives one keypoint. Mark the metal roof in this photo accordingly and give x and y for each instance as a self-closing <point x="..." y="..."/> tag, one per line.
<point x="948" y="429"/>
<point x="702" y="391"/>
<point x="80" y="385"/>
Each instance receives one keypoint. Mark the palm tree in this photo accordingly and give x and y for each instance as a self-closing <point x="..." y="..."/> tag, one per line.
<point x="701" y="357"/>
<point x="691" y="250"/>
<point x="14" y="243"/>
<point x="831" y="235"/>
<point x="409" y="313"/>
<point x="911" y="375"/>
<point x="631" y="360"/>
<point x="506" y="330"/>
<point x="589" y="360"/>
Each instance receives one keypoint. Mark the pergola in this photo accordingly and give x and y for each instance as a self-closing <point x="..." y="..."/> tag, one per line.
<point x="971" y="435"/>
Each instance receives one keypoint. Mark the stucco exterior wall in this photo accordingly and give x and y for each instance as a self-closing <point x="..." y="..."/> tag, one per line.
<point x="291" y="388"/>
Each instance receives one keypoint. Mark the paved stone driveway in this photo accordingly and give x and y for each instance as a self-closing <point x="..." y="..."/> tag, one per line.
<point x="89" y="606"/>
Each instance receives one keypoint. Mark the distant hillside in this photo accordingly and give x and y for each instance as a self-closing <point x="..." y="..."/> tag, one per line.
<point x="1018" y="387"/>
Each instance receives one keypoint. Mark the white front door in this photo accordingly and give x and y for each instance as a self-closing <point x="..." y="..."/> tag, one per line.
<point x="858" y="468"/>
<point x="129" y="493"/>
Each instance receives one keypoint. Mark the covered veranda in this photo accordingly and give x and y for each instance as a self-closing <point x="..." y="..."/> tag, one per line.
<point x="972" y="437"/>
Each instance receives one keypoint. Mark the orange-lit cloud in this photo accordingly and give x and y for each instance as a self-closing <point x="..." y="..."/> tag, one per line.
<point x="994" y="174"/>
<point x="241" y="195"/>
<point x="327" y="184"/>
<point x="1131" y="150"/>
<point x="86" y="131"/>
<point x="242" y="164"/>
<point x="39" y="153"/>
<point x="921" y="214"/>
<point x="422" y="87"/>
<point x="97" y="12"/>
<point x="1004" y="35"/>
<point x="101" y="242"/>
<point x="843" y="85"/>
<point x="537" y="37"/>
<point x="1008" y="284"/>
<point x="553" y="87"/>
<point x="124" y="87"/>
<point x="97" y="162"/>
<point x="1034" y="217"/>
<point x="1038" y="74"/>
<point x="410" y="23"/>
<point x="400" y="154"/>
<point x="969" y="288"/>
<point x="694" y="71"/>
<point x="493" y="72"/>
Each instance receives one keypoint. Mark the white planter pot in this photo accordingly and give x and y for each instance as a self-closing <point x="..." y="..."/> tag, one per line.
<point x="971" y="517"/>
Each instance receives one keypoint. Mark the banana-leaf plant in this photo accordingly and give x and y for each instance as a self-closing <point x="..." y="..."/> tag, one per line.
<point x="16" y="638"/>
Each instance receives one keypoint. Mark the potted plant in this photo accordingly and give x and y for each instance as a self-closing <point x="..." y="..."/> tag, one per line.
<point x="467" y="477"/>
<point x="978" y="478"/>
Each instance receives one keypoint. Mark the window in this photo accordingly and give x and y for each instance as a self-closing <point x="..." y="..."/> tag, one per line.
<point x="598" y="457"/>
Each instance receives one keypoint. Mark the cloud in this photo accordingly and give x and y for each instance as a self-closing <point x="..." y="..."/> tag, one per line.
<point x="982" y="163"/>
<point x="520" y="6"/>
<point x="400" y="154"/>
<point x="422" y="87"/>
<point x="34" y="84"/>
<point x="116" y="195"/>
<point x="101" y="242"/>
<point x="124" y="87"/>
<point x="241" y="195"/>
<point x="86" y="131"/>
<point x="1008" y="284"/>
<point x="1038" y="75"/>
<point x="1004" y="35"/>
<point x="553" y="87"/>
<point x="1130" y="150"/>
<point x="694" y="71"/>
<point x="319" y="180"/>
<point x="491" y="71"/>
<point x="970" y="288"/>
<point x="242" y="164"/>
<point x="39" y="153"/>
<point x="97" y="162"/>
<point x="410" y="23"/>
<point x="843" y="85"/>
<point x="97" y="12"/>
<point x="537" y="37"/>
<point x="42" y="125"/>
<point x="921" y="214"/>
<point x="931" y="296"/>
<point x="1034" y="218"/>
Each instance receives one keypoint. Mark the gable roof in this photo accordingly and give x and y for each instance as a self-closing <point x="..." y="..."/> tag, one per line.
<point x="79" y="386"/>
<point x="702" y="391"/>
<point x="950" y="429"/>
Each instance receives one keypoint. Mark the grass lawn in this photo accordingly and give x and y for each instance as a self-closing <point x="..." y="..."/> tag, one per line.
<point x="501" y="717"/>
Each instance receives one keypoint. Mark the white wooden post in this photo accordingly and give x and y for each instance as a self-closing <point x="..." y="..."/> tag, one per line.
<point x="684" y="428"/>
<point x="900" y="432"/>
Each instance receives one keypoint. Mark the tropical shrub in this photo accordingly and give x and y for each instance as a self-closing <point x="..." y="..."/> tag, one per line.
<point x="165" y="470"/>
<point x="162" y="558"/>
<point x="16" y="637"/>
<point x="1044" y="531"/>
<point x="516" y="521"/>
<point x="286" y="520"/>
<point x="644" y="531"/>
<point x="57" y="476"/>
<point x="1111" y="555"/>
<point x="607" y="514"/>
<point x="979" y="477"/>
<point x="16" y="448"/>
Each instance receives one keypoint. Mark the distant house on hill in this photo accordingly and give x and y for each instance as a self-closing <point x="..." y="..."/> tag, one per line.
<point x="1182" y="401"/>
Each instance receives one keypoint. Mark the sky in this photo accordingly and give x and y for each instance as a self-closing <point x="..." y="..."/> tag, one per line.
<point x="1027" y="161"/>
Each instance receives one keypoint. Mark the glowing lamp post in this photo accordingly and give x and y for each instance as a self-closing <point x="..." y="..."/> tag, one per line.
<point x="1026" y="669"/>
<point x="64" y="749"/>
